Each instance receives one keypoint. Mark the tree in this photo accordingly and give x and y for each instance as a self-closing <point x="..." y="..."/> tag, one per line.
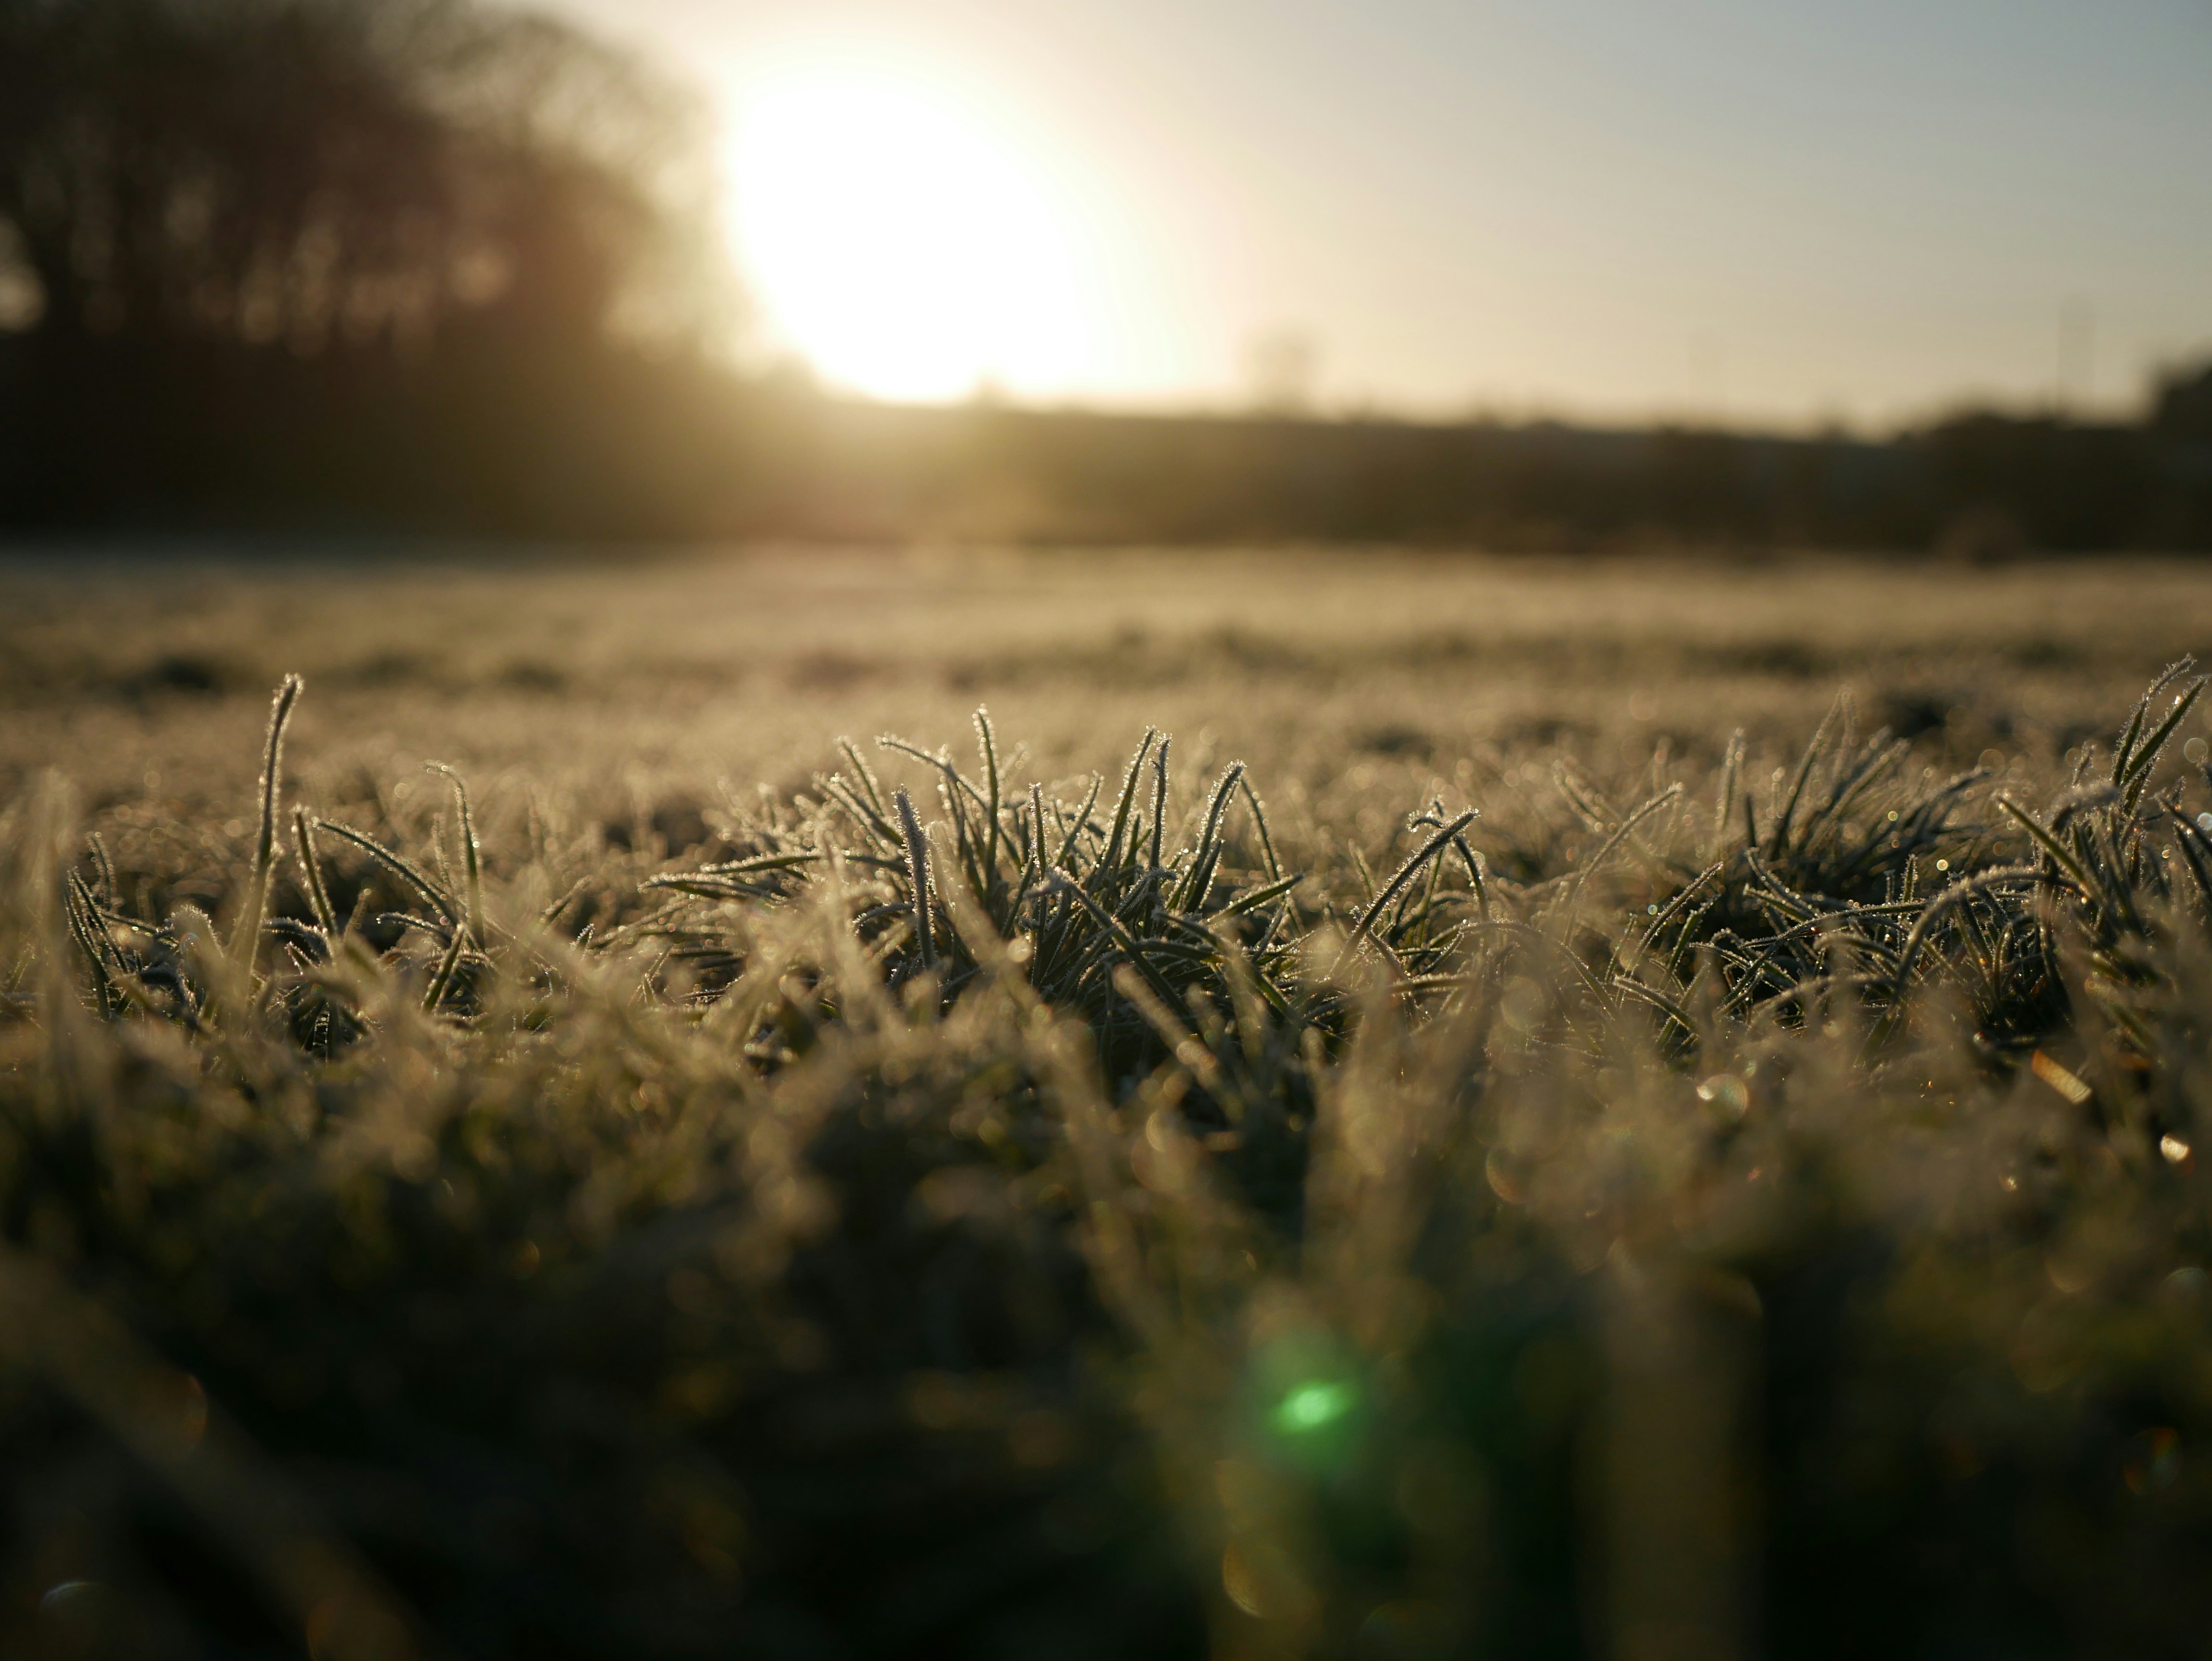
<point x="365" y="262"/>
<point x="333" y="172"/>
<point x="2183" y="404"/>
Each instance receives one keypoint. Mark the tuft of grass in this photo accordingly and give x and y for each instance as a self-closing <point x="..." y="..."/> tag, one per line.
<point x="957" y="1210"/>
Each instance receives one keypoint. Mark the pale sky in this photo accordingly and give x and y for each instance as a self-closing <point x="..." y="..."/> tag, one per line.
<point x="1796" y="212"/>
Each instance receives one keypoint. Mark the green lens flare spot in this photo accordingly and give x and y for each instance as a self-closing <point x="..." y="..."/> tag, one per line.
<point x="1312" y="1407"/>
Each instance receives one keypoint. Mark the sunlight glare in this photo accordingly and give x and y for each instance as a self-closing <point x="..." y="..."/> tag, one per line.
<point x="901" y="244"/>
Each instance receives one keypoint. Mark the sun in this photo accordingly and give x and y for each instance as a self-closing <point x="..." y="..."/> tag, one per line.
<point x="902" y="244"/>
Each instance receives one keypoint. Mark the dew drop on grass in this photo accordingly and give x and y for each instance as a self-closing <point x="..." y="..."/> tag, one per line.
<point x="2152" y="1460"/>
<point x="1504" y="1179"/>
<point x="1238" y="1581"/>
<point x="1726" y="1095"/>
<point x="66" y="1594"/>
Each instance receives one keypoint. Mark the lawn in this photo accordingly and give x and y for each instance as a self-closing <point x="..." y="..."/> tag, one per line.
<point x="1373" y="1104"/>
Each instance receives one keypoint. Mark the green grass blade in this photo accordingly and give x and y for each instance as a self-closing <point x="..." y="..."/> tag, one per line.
<point x="245" y="936"/>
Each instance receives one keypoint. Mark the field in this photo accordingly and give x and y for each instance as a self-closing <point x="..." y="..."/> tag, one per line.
<point x="667" y="1185"/>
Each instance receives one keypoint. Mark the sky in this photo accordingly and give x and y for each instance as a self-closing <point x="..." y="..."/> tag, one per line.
<point x="1792" y="212"/>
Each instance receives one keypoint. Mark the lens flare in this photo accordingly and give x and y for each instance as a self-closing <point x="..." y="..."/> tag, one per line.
<point x="1312" y="1406"/>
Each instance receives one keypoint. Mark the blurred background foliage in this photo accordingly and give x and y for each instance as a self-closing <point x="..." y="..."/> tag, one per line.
<point x="384" y="265"/>
<point x="297" y="258"/>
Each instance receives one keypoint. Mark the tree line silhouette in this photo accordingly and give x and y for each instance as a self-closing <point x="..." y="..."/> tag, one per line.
<point x="385" y="262"/>
<point x="421" y="266"/>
